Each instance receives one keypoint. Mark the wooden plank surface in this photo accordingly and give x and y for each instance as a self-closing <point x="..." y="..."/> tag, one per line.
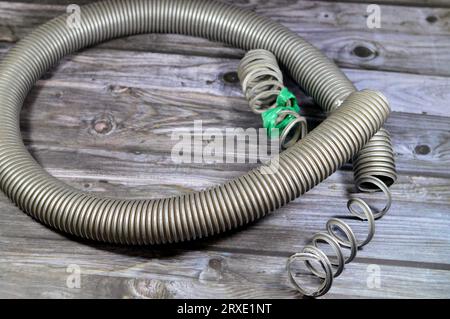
<point x="409" y="93"/>
<point x="125" y="103"/>
<point x="338" y="29"/>
<point x="142" y="93"/>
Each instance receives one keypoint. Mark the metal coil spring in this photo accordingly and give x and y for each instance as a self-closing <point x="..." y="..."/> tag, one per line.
<point x="262" y="81"/>
<point x="332" y="268"/>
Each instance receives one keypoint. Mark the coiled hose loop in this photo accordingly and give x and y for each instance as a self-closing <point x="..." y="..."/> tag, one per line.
<point x="198" y="214"/>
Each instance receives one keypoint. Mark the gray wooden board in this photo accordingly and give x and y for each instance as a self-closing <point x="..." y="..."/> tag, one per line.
<point x="115" y="71"/>
<point x="127" y="96"/>
<point x="338" y="29"/>
<point x="34" y="263"/>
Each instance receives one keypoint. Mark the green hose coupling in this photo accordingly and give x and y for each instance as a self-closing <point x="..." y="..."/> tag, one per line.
<point x="286" y="104"/>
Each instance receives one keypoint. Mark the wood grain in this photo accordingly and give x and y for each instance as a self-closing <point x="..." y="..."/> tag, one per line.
<point x="338" y="29"/>
<point x="177" y="271"/>
<point x="144" y="131"/>
<point x="143" y="104"/>
<point x="421" y="94"/>
<point x="413" y="3"/>
<point x="102" y="120"/>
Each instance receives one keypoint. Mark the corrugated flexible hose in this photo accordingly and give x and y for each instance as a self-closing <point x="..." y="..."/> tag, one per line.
<point x="355" y="117"/>
<point x="262" y="81"/>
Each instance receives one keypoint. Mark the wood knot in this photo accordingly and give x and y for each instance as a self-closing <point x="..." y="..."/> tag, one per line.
<point x="213" y="271"/>
<point x="231" y="77"/>
<point x="103" y="124"/>
<point x="431" y="19"/>
<point x="422" y="149"/>
<point x="364" y="52"/>
<point x="123" y="90"/>
<point x="215" y="264"/>
<point x="153" y="289"/>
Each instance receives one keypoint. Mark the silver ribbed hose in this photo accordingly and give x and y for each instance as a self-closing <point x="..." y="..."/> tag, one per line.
<point x="376" y="159"/>
<point x="197" y="214"/>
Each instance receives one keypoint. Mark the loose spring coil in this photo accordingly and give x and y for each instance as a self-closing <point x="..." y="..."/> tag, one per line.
<point x="262" y="81"/>
<point x="332" y="268"/>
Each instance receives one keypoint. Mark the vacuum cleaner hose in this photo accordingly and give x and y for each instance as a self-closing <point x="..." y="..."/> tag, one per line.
<point x="355" y="117"/>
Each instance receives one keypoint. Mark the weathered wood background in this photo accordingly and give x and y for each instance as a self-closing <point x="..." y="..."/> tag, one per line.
<point x="102" y="120"/>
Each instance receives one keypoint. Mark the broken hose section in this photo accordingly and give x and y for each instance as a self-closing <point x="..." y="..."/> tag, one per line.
<point x="354" y="119"/>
